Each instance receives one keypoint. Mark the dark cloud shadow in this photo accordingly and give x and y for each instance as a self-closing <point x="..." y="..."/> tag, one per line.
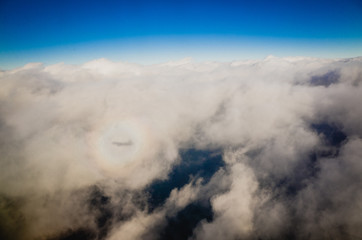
<point x="182" y="225"/>
<point x="195" y="163"/>
<point x="326" y="79"/>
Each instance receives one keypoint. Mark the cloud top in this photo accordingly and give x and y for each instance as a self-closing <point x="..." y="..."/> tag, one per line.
<point x="84" y="147"/>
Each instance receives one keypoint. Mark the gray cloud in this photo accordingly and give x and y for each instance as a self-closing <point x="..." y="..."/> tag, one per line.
<point x="122" y="151"/>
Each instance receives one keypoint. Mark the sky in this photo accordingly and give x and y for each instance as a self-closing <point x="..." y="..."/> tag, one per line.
<point x="157" y="31"/>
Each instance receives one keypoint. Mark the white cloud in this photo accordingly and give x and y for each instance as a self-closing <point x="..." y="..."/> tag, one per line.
<point x="234" y="209"/>
<point x="65" y="128"/>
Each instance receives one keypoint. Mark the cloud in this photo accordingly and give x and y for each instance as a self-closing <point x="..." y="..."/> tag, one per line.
<point x="234" y="209"/>
<point x="205" y="150"/>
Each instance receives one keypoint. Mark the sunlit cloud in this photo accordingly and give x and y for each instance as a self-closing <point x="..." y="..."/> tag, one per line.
<point x="201" y="149"/>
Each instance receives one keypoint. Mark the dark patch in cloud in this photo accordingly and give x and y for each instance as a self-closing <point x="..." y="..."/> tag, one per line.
<point x="289" y="186"/>
<point x="78" y="234"/>
<point x="100" y="203"/>
<point x="181" y="226"/>
<point x="12" y="221"/>
<point x="326" y="79"/>
<point x="119" y="144"/>
<point x="103" y="212"/>
<point x="194" y="163"/>
<point x="330" y="132"/>
<point x="309" y="167"/>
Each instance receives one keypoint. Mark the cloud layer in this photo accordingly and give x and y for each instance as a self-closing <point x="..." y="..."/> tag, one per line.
<point x="267" y="149"/>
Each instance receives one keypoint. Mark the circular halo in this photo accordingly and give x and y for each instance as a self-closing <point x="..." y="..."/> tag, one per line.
<point x="117" y="145"/>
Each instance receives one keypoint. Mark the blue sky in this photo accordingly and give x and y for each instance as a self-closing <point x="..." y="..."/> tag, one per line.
<point x="151" y="31"/>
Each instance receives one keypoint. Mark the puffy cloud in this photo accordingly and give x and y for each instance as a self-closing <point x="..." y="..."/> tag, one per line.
<point x="330" y="204"/>
<point x="234" y="209"/>
<point x="84" y="147"/>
